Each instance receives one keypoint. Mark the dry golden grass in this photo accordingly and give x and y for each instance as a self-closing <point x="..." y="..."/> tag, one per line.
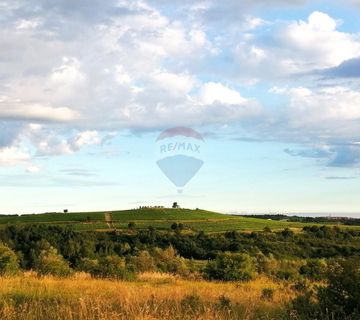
<point x="151" y="296"/>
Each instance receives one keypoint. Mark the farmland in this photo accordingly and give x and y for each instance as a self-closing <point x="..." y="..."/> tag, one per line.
<point x="159" y="218"/>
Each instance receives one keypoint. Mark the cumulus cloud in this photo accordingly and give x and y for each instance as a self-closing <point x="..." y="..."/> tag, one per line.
<point x="213" y="92"/>
<point x="323" y="114"/>
<point x="12" y="156"/>
<point x="296" y="47"/>
<point x="72" y="73"/>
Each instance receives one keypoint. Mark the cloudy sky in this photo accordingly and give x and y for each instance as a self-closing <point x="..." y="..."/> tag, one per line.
<point x="87" y="86"/>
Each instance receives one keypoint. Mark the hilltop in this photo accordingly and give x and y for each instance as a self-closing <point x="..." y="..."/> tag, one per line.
<point x="159" y="218"/>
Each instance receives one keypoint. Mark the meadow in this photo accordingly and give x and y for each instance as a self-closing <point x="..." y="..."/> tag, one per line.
<point x="176" y="264"/>
<point x="151" y="296"/>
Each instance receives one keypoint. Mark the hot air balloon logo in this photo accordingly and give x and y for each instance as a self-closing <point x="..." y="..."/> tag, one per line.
<point x="179" y="153"/>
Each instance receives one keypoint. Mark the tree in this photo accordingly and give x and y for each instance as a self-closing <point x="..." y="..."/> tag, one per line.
<point x="9" y="262"/>
<point x="175" y="205"/>
<point x="339" y="299"/>
<point x="66" y="210"/>
<point x="342" y="295"/>
<point x="142" y="262"/>
<point x="230" y="267"/>
<point x="114" y="267"/>
<point x="50" y="262"/>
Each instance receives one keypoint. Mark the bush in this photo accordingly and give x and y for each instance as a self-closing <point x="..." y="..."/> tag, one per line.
<point x="267" y="294"/>
<point x="142" y="262"/>
<point x="107" y="267"/>
<point x="340" y="299"/>
<point x="112" y="267"/>
<point x="342" y="295"/>
<point x="230" y="267"/>
<point x="314" y="269"/>
<point x="287" y="269"/>
<point x="168" y="261"/>
<point x="132" y="225"/>
<point x="192" y="303"/>
<point x="90" y="266"/>
<point x="224" y="303"/>
<point x="50" y="262"/>
<point x="9" y="262"/>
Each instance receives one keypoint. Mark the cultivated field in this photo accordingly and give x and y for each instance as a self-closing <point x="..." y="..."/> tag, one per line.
<point x="161" y="219"/>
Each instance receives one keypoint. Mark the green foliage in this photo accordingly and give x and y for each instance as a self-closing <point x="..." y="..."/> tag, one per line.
<point x="287" y="269"/>
<point x="9" y="262"/>
<point x="142" y="262"/>
<point x="169" y="261"/>
<point x="342" y="295"/>
<point x="50" y="262"/>
<point x="314" y="269"/>
<point x="230" y="267"/>
<point x="113" y="267"/>
<point x="287" y="233"/>
<point x="339" y="299"/>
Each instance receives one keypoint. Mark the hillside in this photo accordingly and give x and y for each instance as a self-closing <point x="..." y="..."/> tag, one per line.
<point x="159" y="218"/>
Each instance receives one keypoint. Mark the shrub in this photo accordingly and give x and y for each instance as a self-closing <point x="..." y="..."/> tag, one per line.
<point x="267" y="294"/>
<point x="230" y="267"/>
<point x="142" y="262"/>
<point x="224" y="303"/>
<point x="192" y="303"/>
<point x="342" y="295"/>
<point x="90" y="266"/>
<point x="287" y="269"/>
<point x="50" y="262"/>
<point x="168" y="261"/>
<point x="113" y="267"/>
<point x="266" y="264"/>
<point x="340" y="299"/>
<point x="314" y="269"/>
<point x="287" y="233"/>
<point x="131" y="225"/>
<point x="9" y="262"/>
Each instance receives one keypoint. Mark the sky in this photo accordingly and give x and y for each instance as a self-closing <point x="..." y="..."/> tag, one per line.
<point x="272" y="86"/>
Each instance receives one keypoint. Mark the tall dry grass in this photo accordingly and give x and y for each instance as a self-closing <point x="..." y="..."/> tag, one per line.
<point x="151" y="296"/>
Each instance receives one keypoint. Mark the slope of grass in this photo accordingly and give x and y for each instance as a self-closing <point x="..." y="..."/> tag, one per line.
<point x="161" y="219"/>
<point x="123" y="215"/>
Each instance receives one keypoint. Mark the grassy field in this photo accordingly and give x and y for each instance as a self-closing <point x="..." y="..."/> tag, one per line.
<point x="161" y="219"/>
<point x="151" y="296"/>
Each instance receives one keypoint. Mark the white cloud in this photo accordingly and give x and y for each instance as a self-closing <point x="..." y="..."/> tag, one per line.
<point x="319" y="41"/>
<point x="17" y="109"/>
<point x="25" y="24"/>
<point x="12" y="156"/>
<point x="71" y="74"/>
<point x="326" y="115"/>
<point x="294" y="47"/>
<point x="85" y="138"/>
<point x="177" y="85"/>
<point x="215" y="92"/>
<point x="33" y="169"/>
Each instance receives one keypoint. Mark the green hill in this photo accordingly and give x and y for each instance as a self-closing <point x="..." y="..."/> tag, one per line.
<point x="159" y="218"/>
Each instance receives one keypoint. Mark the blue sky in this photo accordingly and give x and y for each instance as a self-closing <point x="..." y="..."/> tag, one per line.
<point x="86" y="87"/>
